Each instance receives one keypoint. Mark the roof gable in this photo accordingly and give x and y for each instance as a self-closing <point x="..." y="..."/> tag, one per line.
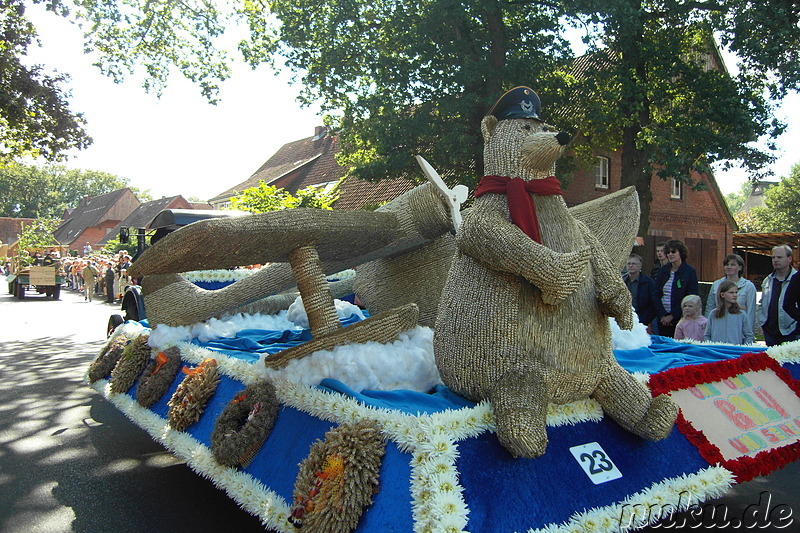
<point x="296" y="165"/>
<point x="142" y="215"/>
<point x="10" y="228"/>
<point x="89" y="213"/>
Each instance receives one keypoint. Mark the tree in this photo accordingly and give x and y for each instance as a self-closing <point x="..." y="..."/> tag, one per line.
<point x="402" y="78"/>
<point x="35" y="119"/>
<point x="782" y="204"/>
<point x="736" y="200"/>
<point x="35" y="236"/>
<point x="29" y="191"/>
<point x="264" y="198"/>
<point x="662" y="107"/>
<point x="781" y="210"/>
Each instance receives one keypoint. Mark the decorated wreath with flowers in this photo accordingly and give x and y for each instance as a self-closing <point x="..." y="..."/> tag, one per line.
<point x="158" y="376"/>
<point x="108" y="357"/>
<point x="244" y="425"/>
<point x="131" y="363"/>
<point x="337" y="480"/>
<point x="189" y="400"/>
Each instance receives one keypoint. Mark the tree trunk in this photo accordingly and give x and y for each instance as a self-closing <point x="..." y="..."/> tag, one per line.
<point x="635" y="165"/>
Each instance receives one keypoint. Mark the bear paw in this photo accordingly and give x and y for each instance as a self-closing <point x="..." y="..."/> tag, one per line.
<point x="564" y="275"/>
<point x="659" y="419"/>
<point x="520" y="433"/>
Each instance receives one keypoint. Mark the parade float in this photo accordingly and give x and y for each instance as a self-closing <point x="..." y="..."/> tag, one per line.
<point x="490" y="379"/>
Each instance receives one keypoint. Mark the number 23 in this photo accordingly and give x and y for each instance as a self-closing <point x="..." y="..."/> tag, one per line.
<point x="598" y="462"/>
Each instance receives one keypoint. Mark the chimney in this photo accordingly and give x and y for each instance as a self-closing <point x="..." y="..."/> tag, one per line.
<point x="319" y="133"/>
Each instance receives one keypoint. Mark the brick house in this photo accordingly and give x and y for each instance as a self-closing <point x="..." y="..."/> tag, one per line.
<point x="700" y="219"/>
<point x="145" y="212"/>
<point x="312" y="161"/>
<point x="94" y="218"/>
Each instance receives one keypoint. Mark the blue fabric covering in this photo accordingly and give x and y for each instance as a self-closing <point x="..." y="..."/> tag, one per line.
<point x="249" y="344"/>
<point x="507" y="494"/>
<point x="665" y="353"/>
<point x="212" y="285"/>
<point x="405" y="401"/>
<point x="502" y="493"/>
<point x="277" y="463"/>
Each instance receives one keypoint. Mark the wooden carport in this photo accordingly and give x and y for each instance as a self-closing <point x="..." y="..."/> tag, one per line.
<point x="756" y="249"/>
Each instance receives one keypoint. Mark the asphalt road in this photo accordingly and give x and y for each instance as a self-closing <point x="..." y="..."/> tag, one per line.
<point x="69" y="461"/>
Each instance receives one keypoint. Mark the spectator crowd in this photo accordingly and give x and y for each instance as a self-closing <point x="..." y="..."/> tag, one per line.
<point x="98" y="275"/>
<point x="668" y="302"/>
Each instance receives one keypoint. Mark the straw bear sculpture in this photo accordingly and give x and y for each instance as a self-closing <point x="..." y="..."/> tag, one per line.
<point x="524" y="323"/>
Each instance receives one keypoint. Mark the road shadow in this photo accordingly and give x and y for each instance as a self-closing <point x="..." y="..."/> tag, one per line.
<point x="69" y="461"/>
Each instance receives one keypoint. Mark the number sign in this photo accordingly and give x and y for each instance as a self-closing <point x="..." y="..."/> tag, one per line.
<point x="595" y="462"/>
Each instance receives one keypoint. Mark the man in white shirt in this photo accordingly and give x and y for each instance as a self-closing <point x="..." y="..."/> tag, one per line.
<point x="777" y="325"/>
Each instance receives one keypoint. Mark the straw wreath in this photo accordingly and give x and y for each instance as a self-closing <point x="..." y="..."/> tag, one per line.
<point x="189" y="400"/>
<point x="337" y="480"/>
<point x="131" y="363"/>
<point x="244" y="425"/>
<point x="105" y="362"/>
<point x="158" y="376"/>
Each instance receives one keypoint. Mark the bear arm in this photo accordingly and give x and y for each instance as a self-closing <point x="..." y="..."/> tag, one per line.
<point x="612" y="293"/>
<point x="497" y="243"/>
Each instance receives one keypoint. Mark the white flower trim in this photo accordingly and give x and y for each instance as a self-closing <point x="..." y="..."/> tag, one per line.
<point x="196" y="276"/>
<point x="431" y="439"/>
<point x="223" y="275"/>
<point x="788" y="352"/>
<point x="252" y="495"/>
<point x="636" y="511"/>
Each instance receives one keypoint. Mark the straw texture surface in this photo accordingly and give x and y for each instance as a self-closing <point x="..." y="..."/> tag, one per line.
<point x="266" y="238"/>
<point x="383" y="327"/>
<point x="523" y="324"/>
<point x="337" y="480"/>
<point x="405" y="226"/>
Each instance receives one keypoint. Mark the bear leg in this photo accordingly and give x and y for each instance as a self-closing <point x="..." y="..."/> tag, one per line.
<point x="629" y="403"/>
<point x="520" y="401"/>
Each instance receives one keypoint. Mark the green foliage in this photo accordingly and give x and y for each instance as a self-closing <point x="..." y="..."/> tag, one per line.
<point x="29" y="191"/>
<point x="781" y="212"/>
<point x="264" y="198"/>
<point x="34" y="236"/>
<point x="402" y="78"/>
<point x="736" y="199"/>
<point x="783" y="202"/>
<point x="35" y="119"/>
<point x="152" y="38"/>
<point x="113" y="246"/>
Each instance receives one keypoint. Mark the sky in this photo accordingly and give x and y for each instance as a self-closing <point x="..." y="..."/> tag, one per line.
<point x="180" y="144"/>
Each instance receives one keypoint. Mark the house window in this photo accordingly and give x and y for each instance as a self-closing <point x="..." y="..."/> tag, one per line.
<point x="676" y="191"/>
<point x="601" y="174"/>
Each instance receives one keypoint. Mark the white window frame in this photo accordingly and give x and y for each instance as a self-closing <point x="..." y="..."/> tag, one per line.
<point x="676" y="190"/>
<point x="602" y="173"/>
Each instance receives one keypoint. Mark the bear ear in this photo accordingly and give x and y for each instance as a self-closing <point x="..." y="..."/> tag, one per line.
<point x="488" y="124"/>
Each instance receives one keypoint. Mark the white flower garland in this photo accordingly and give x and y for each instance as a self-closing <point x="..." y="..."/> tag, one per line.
<point x="431" y="439"/>
<point x="208" y="276"/>
<point x="788" y="352"/>
<point x="252" y="495"/>
<point x="635" y="511"/>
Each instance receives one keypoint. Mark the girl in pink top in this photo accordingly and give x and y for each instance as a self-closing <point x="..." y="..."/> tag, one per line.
<point x="693" y="324"/>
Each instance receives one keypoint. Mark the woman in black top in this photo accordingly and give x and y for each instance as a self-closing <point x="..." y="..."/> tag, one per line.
<point x="675" y="280"/>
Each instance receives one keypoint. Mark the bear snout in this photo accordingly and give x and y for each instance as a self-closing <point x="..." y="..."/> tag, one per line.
<point x="563" y="138"/>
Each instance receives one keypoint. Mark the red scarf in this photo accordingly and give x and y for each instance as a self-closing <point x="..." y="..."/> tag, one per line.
<point x="520" y="203"/>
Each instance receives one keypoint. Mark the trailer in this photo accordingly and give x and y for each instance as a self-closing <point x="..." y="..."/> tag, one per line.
<point x="45" y="280"/>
